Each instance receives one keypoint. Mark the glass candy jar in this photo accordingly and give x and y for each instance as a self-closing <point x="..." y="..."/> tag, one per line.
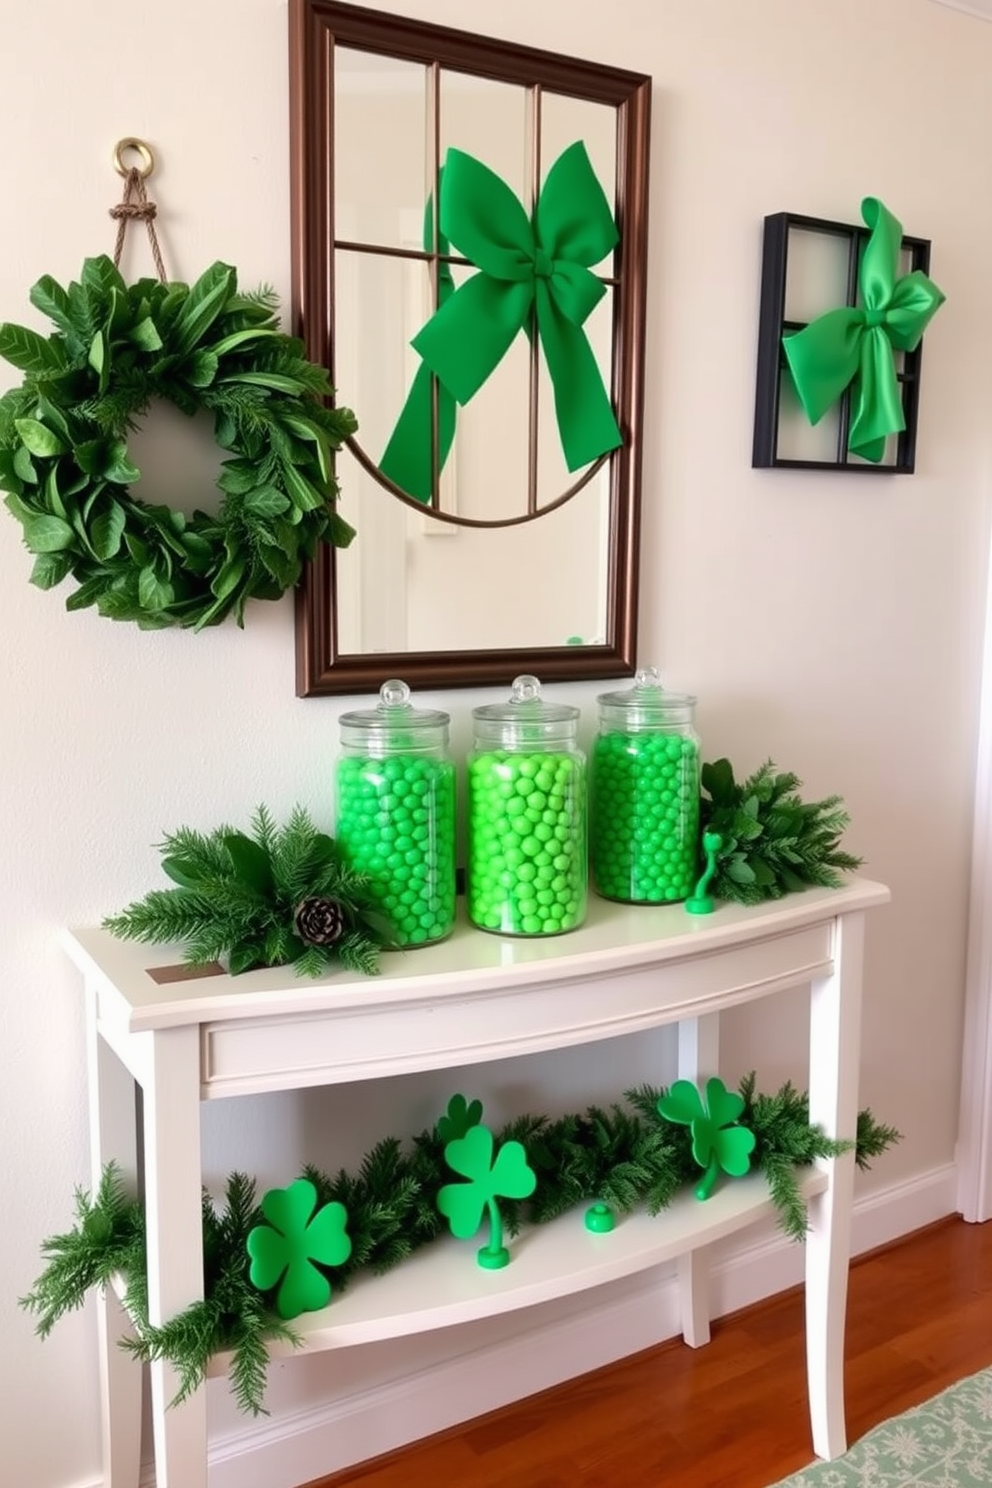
<point x="527" y="816"/>
<point x="644" y="794"/>
<point x="396" y="812"/>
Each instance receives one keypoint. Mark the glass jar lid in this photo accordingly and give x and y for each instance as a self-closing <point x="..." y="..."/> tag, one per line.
<point x="646" y="705"/>
<point x="394" y="722"/>
<point x="526" y="719"/>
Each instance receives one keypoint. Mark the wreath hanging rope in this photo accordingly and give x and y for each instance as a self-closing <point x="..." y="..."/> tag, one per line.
<point x="64" y="462"/>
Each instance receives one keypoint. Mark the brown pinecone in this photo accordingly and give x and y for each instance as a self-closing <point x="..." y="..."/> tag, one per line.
<point x="319" y="921"/>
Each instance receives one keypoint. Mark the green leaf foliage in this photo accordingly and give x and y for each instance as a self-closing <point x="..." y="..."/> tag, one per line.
<point x="115" y="350"/>
<point x="236" y="898"/>
<point x="773" y="842"/>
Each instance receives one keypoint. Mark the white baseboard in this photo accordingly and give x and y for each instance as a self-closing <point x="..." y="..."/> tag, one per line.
<point x="605" y="1325"/>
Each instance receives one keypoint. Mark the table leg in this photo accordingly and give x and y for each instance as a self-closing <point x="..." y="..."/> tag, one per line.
<point x="173" y="1184"/>
<point x="113" y="1137"/>
<point x="835" y="1006"/>
<point x="699" y="1060"/>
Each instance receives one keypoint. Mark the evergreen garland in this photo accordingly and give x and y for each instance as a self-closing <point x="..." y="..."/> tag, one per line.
<point x="622" y="1157"/>
<point x="773" y="842"/>
<point x="282" y="896"/>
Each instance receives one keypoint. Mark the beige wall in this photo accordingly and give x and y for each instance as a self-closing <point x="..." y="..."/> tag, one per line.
<point x="832" y="623"/>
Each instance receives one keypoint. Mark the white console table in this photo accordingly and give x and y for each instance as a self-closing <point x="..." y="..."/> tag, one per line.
<point x="185" y="1038"/>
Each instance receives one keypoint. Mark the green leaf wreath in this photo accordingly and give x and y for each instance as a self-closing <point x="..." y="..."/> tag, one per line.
<point x="773" y="842"/>
<point x="64" y="459"/>
<point x="624" y="1155"/>
<point x="282" y="896"/>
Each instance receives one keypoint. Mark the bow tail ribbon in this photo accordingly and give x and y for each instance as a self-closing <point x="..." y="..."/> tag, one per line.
<point x="878" y="410"/>
<point x="408" y="457"/>
<point x="470" y="335"/>
<point x="461" y="343"/>
<point x="586" y="423"/>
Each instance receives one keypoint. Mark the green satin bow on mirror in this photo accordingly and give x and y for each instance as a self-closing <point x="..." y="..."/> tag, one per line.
<point x="533" y="273"/>
<point x="855" y="346"/>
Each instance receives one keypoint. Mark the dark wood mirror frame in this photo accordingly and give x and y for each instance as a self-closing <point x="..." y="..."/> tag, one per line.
<point x="315" y="27"/>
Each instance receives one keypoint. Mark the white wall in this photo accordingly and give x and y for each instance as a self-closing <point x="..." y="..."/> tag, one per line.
<point x="831" y="622"/>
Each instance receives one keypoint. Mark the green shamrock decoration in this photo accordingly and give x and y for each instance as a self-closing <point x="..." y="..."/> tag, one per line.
<point x="700" y="902"/>
<point x="283" y="1252"/>
<point x="462" y="1204"/>
<point x="460" y="1117"/>
<point x="716" y="1142"/>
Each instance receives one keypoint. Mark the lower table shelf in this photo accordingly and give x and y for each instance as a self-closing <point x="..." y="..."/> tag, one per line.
<point x="441" y="1285"/>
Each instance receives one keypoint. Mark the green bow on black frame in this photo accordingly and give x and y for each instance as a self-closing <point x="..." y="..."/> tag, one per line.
<point x="532" y="272"/>
<point x="855" y="346"/>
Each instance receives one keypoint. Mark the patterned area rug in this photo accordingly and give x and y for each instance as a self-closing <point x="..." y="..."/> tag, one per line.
<point x="946" y="1443"/>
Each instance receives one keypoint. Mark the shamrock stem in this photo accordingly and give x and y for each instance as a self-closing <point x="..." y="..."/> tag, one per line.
<point x="494" y="1256"/>
<point x="705" y="1185"/>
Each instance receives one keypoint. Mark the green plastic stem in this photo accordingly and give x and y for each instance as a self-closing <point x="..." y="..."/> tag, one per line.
<point x="700" y="902"/>
<point x="494" y="1256"/>
<point x="705" y="1185"/>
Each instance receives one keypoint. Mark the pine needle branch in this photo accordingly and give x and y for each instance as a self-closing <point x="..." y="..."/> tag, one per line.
<point x="242" y="898"/>
<point x="107" y="1239"/>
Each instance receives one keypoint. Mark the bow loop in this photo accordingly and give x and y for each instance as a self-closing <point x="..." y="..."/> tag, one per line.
<point x="855" y="346"/>
<point x="915" y="300"/>
<point x="483" y="219"/>
<point x="572" y="218"/>
<point x="533" y="275"/>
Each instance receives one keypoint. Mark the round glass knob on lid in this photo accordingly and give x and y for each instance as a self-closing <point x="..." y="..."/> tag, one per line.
<point x="396" y="811"/>
<point x="527" y="816"/>
<point x="644" y="794"/>
<point x="395" y="723"/>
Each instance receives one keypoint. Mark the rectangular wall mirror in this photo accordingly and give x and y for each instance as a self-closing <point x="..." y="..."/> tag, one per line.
<point x="493" y="197"/>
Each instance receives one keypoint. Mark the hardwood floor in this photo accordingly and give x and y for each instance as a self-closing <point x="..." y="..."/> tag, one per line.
<point x="732" y="1414"/>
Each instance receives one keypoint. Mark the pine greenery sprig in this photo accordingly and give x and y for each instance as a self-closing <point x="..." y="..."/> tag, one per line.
<point x="773" y="842"/>
<point x="873" y="1138"/>
<point x="614" y="1155"/>
<point x="107" y="1241"/>
<point x="282" y="896"/>
<point x="233" y="1314"/>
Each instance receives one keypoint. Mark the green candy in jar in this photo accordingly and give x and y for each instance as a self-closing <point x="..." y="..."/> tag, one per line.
<point x="644" y="794"/>
<point x="527" y="872"/>
<point x="396" y="812"/>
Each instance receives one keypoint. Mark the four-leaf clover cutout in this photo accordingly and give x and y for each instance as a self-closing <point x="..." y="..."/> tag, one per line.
<point x="283" y="1251"/>
<point x="508" y="1177"/>
<point x="716" y="1142"/>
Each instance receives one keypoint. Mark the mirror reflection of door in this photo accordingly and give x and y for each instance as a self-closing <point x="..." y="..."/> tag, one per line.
<point x="510" y="557"/>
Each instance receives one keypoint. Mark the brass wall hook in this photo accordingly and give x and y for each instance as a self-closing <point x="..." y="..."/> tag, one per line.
<point x="141" y="149"/>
